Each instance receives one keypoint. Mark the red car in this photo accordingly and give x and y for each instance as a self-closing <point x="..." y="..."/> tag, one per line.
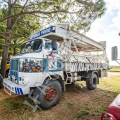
<point x="113" y="110"/>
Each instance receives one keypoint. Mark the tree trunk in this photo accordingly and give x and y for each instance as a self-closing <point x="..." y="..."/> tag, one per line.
<point x="5" y="53"/>
<point x="14" y="48"/>
<point x="14" y="52"/>
<point x="7" y="42"/>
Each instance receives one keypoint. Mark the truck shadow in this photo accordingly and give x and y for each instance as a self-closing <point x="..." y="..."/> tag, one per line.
<point x="77" y="97"/>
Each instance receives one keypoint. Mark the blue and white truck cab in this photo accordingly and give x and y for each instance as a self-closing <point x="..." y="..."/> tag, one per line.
<point x="52" y="58"/>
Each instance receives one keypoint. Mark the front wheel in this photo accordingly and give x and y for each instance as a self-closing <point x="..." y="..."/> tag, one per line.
<point x="48" y="95"/>
<point x="92" y="82"/>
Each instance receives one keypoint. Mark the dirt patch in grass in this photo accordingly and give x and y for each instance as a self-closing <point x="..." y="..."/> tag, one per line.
<point x="77" y="103"/>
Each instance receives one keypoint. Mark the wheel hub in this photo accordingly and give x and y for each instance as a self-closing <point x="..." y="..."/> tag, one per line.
<point x="51" y="94"/>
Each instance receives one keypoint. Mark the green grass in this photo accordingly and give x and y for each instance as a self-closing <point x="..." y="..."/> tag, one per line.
<point x="70" y="103"/>
<point x="98" y="97"/>
<point x="20" y="100"/>
<point x="105" y="106"/>
<point x="81" y="112"/>
<point x="112" y="84"/>
<point x="9" y="104"/>
<point x="68" y="107"/>
<point x="114" y="70"/>
<point x="115" y="67"/>
<point x="48" y="114"/>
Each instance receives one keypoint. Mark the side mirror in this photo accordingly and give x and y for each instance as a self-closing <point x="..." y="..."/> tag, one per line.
<point x="54" y="46"/>
<point x="114" y="53"/>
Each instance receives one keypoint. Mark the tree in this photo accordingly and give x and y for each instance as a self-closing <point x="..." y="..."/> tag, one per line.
<point x="80" y="15"/>
<point x="2" y="29"/>
<point x="23" y="28"/>
<point x="21" y="31"/>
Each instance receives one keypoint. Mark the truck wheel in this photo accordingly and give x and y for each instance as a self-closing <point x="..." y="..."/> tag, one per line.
<point x="92" y="82"/>
<point x="1" y="81"/>
<point x="49" y="96"/>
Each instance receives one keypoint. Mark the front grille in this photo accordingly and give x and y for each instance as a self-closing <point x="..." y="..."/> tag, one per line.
<point x="14" y="64"/>
<point x="14" y="68"/>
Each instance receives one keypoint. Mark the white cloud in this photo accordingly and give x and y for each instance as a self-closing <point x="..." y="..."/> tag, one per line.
<point x="116" y="20"/>
<point x="98" y="33"/>
<point x="112" y="25"/>
<point x="101" y="33"/>
<point x="114" y="32"/>
<point x="112" y="5"/>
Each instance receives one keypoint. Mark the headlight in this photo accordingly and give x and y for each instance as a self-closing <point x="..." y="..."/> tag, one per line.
<point x="23" y="81"/>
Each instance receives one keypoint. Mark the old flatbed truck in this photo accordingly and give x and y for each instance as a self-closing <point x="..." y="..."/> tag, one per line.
<point x="54" y="57"/>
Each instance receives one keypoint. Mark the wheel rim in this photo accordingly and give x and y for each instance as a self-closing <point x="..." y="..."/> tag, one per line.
<point x="50" y="94"/>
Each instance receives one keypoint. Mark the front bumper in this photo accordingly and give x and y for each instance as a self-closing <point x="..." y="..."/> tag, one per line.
<point x="15" y="88"/>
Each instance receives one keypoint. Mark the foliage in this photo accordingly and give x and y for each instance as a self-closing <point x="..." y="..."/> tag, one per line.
<point x="3" y="27"/>
<point x="78" y="12"/>
<point x="22" y="29"/>
<point x="27" y="23"/>
<point x="17" y="16"/>
<point x="24" y="26"/>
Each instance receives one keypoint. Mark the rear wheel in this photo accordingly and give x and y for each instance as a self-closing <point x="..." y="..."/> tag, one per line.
<point x="49" y="95"/>
<point x="92" y="82"/>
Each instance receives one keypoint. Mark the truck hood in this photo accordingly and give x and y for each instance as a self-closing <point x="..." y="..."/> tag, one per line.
<point x="35" y="55"/>
<point x="29" y="55"/>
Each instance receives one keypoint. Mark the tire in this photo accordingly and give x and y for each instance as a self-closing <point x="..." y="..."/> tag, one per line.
<point x="92" y="82"/>
<point x="1" y="81"/>
<point x="46" y="100"/>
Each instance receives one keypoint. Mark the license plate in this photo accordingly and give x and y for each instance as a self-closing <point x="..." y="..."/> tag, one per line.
<point x="7" y="86"/>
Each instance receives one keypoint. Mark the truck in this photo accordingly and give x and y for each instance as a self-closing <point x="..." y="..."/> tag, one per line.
<point x="7" y="68"/>
<point x="6" y="75"/>
<point x="51" y="59"/>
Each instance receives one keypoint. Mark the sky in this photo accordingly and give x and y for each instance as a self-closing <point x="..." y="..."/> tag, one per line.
<point x="107" y="28"/>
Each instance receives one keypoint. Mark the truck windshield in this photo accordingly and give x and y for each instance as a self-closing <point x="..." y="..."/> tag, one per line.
<point x="32" y="46"/>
